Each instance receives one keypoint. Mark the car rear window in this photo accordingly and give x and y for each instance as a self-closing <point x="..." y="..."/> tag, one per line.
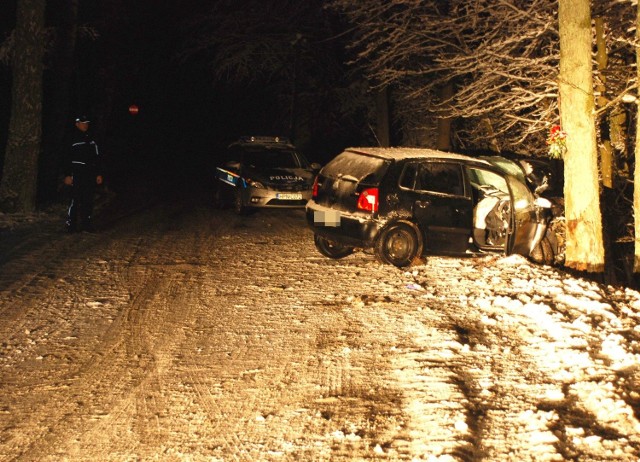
<point x="359" y="166"/>
<point x="271" y="158"/>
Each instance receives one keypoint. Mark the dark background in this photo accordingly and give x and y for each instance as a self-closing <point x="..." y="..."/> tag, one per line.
<point x="187" y="113"/>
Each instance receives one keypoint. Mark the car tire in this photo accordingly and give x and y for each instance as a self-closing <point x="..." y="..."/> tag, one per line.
<point x="218" y="199"/>
<point x="238" y="203"/>
<point x="331" y="249"/>
<point x="399" y="244"/>
<point x="543" y="253"/>
<point x="556" y="233"/>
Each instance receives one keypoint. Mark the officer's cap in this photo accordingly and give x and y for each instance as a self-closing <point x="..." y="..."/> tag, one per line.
<point x="83" y="119"/>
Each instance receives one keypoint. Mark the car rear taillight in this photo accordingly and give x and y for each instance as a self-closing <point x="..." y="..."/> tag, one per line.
<point x="368" y="200"/>
<point x="314" y="191"/>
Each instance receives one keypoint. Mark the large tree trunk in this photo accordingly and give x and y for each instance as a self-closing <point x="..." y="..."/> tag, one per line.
<point x="382" y="118"/>
<point x="636" y="172"/>
<point x="585" y="250"/>
<point x="19" y="176"/>
<point x="444" y="122"/>
<point x="606" y="150"/>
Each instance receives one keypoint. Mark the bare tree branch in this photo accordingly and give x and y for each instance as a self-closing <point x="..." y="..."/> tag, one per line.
<point x="502" y="57"/>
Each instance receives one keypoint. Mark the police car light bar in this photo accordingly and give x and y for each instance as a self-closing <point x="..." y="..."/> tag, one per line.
<point x="264" y="139"/>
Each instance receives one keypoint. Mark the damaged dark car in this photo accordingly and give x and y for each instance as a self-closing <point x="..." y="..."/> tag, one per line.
<point x="403" y="203"/>
<point x="545" y="180"/>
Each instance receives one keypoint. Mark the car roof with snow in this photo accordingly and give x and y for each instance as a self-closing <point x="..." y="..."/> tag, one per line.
<point x="401" y="153"/>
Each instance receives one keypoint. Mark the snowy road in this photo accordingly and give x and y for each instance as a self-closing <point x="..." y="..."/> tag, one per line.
<point x="185" y="333"/>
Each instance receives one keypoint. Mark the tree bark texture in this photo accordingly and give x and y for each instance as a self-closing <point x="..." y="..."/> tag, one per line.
<point x="19" y="176"/>
<point x="382" y="117"/>
<point x="444" y="122"/>
<point x="606" y="150"/>
<point x="585" y="249"/>
<point x="636" y="172"/>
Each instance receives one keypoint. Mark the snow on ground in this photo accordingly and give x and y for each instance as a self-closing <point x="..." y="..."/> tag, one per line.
<point x="584" y="338"/>
<point x="298" y="357"/>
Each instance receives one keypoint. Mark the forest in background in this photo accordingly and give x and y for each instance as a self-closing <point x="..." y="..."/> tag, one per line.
<point x="469" y="77"/>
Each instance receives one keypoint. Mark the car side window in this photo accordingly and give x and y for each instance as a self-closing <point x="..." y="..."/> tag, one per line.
<point x="487" y="181"/>
<point x="408" y="177"/>
<point x="444" y="178"/>
<point x="522" y="196"/>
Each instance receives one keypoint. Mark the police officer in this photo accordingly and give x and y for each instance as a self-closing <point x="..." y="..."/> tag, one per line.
<point x="83" y="173"/>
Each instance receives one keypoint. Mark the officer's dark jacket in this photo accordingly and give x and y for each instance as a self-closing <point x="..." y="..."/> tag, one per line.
<point x="83" y="155"/>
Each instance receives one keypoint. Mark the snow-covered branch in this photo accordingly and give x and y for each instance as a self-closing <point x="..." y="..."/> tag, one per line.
<point x="501" y="57"/>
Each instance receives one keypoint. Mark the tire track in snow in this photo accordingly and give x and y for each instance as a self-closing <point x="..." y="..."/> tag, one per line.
<point x="519" y="394"/>
<point x="252" y="346"/>
<point x="82" y="392"/>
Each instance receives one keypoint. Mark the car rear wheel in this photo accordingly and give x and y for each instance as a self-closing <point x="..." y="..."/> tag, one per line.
<point x="400" y="244"/>
<point x="331" y="249"/>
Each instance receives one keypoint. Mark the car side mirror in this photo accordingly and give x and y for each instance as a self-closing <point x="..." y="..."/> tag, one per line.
<point x="316" y="167"/>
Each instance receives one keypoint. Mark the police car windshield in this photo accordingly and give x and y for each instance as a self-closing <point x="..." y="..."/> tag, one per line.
<point x="272" y="158"/>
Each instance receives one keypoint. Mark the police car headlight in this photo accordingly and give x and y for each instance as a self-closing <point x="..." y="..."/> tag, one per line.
<point x="255" y="184"/>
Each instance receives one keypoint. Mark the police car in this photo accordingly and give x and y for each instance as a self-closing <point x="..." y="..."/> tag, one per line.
<point x="264" y="172"/>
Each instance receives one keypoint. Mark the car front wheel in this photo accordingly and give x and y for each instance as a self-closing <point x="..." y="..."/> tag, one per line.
<point x="218" y="198"/>
<point x="399" y="244"/>
<point x="331" y="249"/>
<point x="238" y="203"/>
<point x="543" y="253"/>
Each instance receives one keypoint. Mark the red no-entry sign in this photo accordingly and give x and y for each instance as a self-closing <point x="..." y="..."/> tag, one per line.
<point x="133" y="109"/>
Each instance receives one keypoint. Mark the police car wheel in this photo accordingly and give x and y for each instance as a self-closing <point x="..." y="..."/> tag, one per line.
<point x="238" y="204"/>
<point x="218" y="199"/>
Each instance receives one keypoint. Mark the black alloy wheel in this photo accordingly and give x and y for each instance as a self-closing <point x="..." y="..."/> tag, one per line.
<point x="331" y="249"/>
<point x="400" y="244"/>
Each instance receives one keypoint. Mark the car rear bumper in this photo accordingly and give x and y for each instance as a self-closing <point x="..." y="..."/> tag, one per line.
<point x="352" y="230"/>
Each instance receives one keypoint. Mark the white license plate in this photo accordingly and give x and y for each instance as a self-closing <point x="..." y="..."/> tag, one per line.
<point x="328" y="218"/>
<point x="289" y="196"/>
